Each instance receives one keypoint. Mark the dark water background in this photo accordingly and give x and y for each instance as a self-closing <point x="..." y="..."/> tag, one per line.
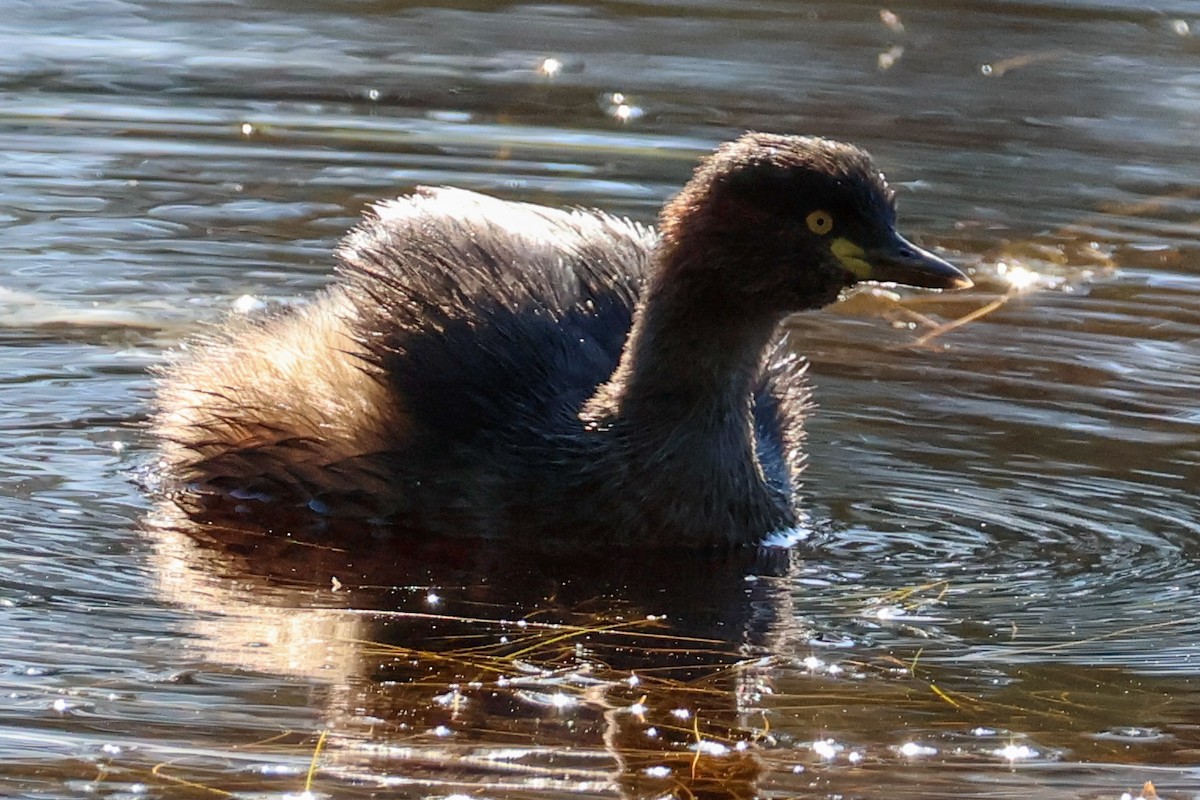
<point x="999" y="596"/>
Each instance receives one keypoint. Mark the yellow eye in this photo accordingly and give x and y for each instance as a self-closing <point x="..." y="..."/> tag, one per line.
<point x="819" y="222"/>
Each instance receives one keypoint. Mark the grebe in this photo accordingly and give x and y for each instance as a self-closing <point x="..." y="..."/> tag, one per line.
<point x="492" y="368"/>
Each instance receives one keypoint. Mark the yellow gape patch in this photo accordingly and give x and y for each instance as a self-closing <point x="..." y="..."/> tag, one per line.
<point x="851" y="256"/>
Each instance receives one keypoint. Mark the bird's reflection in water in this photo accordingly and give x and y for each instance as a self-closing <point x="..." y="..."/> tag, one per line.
<point x="468" y="664"/>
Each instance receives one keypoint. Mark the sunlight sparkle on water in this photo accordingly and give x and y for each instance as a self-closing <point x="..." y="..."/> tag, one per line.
<point x="621" y="109"/>
<point x="827" y="748"/>
<point x="888" y="58"/>
<point x="1017" y="276"/>
<point x="888" y="612"/>
<point x="248" y="304"/>
<point x="1016" y="752"/>
<point x="453" y="699"/>
<point x="891" y="20"/>
<point x="912" y="750"/>
<point x="786" y="538"/>
<point x="710" y="748"/>
<point x="278" y="769"/>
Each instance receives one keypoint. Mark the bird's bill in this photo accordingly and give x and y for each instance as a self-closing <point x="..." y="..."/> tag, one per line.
<point x="897" y="260"/>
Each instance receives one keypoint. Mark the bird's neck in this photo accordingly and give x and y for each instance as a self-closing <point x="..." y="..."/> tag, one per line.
<point x="692" y="359"/>
<point x="678" y="414"/>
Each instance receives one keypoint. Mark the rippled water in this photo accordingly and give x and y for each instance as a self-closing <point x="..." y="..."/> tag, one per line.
<point x="999" y="597"/>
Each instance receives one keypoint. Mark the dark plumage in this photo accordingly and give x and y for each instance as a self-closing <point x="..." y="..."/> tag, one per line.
<point x="490" y="368"/>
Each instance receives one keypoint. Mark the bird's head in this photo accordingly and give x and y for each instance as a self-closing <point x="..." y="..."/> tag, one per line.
<point x="788" y="222"/>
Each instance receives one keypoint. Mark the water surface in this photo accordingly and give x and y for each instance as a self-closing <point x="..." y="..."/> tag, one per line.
<point x="998" y="596"/>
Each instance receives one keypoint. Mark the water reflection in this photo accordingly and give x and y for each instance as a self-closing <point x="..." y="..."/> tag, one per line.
<point x="494" y="663"/>
<point x="464" y="666"/>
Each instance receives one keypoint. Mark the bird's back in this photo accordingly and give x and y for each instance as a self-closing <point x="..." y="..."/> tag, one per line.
<point x="488" y="316"/>
<point x="460" y="324"/>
